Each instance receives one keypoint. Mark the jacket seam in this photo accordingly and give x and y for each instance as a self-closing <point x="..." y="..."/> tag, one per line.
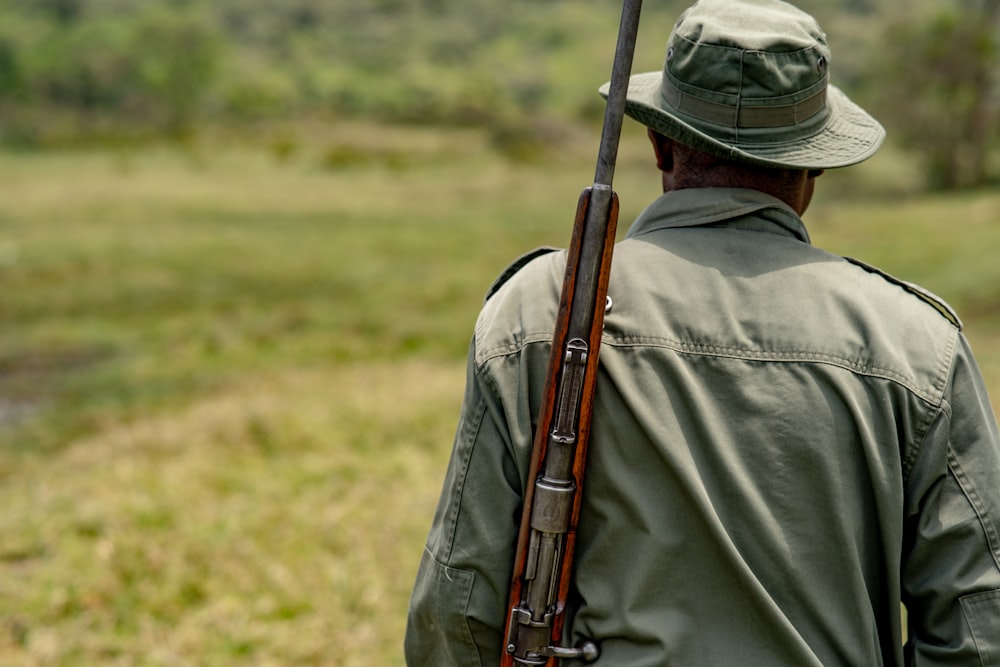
<point x="909" y="458"/>
<point x="972" y="496"/>
<point x="466" y="637"/>
<point x="932" y="397"/>
<point x="781" y="356"/>
<point x="459" y="490"/>
<point x="970" y="604"/>
<point x="947" y="363"/>
<point x="512" y="347"/>
<point x="945" y="366"/>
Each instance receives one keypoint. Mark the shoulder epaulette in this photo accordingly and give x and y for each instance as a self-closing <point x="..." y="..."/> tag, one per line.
<point x="929" y="297"/>
<point x="516" y="266"/>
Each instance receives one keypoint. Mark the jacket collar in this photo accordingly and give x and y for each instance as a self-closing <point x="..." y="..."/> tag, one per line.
<point x="721" y="207"/>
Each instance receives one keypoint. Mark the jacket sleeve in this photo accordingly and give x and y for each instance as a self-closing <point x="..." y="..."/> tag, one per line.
<point x="951" y="552"/>
<point x="457" y="609"/>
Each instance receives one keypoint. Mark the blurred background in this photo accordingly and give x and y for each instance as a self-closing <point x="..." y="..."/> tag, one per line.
<point x="124" y="73"/>
<point x="242" y="248"/>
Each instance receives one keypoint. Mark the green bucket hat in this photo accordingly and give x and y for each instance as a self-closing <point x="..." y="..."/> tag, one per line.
<point x="749" y="80"/>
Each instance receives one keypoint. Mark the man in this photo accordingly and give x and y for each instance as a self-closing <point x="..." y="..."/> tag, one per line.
<point x="786" y="444"/>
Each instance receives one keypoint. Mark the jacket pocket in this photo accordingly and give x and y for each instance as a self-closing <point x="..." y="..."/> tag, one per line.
<point x="437" y="632"/>
<point x="982" y="613"/>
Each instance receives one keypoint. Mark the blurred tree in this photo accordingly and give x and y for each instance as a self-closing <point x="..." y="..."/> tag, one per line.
<point x="939" y="90"/>
<point x="64" y="11"/>
<point x="83" y="67"/>
<point x="10" y="71"/>
<point x="175" y="61"/>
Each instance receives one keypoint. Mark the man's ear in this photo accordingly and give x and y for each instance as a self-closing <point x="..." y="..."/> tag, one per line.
<point x="663" y="148"/>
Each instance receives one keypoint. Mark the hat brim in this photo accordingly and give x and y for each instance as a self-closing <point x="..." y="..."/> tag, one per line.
<point x="850" y="136"/>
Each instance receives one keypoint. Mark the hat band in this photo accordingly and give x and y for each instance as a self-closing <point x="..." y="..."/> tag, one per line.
<point x="742" y="116"/>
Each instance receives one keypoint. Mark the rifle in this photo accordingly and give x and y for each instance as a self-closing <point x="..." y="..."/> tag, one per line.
<point x="543" y="561"/>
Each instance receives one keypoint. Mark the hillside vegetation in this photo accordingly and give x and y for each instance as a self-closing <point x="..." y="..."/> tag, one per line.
<point x="86" y="71"/>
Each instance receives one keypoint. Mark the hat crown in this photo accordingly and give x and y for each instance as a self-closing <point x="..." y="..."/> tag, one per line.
<point x="747" y="64"/>
<point x="754" y="25"/>
<point x="748" y="80"/>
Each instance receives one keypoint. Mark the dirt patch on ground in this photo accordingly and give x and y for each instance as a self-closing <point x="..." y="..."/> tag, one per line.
<point x="30" y="376"/>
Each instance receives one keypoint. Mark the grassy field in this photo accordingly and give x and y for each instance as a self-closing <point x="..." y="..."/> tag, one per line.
<point x="229" y="378"/>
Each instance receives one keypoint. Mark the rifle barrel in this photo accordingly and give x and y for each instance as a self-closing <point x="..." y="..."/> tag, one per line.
<point x="615" y="110"/>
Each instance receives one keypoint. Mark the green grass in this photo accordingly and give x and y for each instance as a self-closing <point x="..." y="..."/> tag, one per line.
<point x="229" y="379"/>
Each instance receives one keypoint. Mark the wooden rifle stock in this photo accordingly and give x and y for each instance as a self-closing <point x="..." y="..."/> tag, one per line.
<point x="543" y="562"/>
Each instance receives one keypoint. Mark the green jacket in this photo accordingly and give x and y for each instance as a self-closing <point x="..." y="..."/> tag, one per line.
<point x="786" y="445"/>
